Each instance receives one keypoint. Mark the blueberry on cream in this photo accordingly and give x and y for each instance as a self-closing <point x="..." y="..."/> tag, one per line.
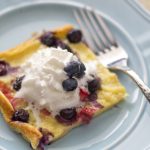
<point x="75" y="68"/>
<point x="17" y="83"/>
<point x="70" y="84"/>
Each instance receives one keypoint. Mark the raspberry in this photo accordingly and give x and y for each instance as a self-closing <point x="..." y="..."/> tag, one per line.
<point x="86" y="114"/>
<point x="83" y="95"/>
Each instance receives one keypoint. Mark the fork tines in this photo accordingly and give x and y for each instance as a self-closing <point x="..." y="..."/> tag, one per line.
<point x="95" y="30"/>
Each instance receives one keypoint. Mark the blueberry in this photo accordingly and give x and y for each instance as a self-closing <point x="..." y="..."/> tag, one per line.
<point x="81" y="70"/>
<point x="3" y="68"/>
<point x="40" y="146"/>
<point x="75" y="68"/>
<point x="94" y="85"/>
<point x="74" y="36"/>
<point x="48" y="39"/>
<point x="68" y="114"/>
<point x="47" y="136"/>
<point x="17" y="83"/>
<point x="92" y="97"/>
<point x="20" y="115"/>
<point x="61" y="44"/>
<point x="70" y="84"/>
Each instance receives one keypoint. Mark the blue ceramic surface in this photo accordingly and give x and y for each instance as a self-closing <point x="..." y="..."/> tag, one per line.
<point x="104" y="132"/>
<point x="140" y="8"/>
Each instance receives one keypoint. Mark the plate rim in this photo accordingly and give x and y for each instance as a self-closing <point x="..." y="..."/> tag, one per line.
<point x="129" y="38"/>
<point x="139" y="7"/>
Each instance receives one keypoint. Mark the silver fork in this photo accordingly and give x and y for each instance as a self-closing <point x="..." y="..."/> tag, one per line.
<point x="104" y="45"/>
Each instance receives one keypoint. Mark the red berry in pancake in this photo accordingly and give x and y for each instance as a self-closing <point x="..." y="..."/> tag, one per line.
<point x="83" y="95"/>
<point x="86" y="114"/>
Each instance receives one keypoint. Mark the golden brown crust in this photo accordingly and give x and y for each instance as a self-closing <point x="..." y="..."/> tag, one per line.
<point x="23" y="51"/>
<point x="61" y="32"/>
<point x="5" y="107"/>
<point x="29" y="132"/>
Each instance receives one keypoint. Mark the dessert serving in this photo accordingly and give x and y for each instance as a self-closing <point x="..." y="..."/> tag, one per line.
<point x="53" y="83"/>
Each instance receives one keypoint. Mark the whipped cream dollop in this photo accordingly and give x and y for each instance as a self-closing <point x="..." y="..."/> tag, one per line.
<point x="44" y="74"/>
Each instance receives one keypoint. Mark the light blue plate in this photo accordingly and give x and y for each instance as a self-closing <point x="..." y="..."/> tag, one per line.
<point x="104" y="132"/>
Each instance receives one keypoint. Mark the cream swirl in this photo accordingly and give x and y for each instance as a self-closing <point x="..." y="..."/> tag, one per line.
<point x="44" y="74"/>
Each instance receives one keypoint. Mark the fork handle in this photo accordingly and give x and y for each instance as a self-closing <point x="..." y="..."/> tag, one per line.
<point x="144" y="88"/>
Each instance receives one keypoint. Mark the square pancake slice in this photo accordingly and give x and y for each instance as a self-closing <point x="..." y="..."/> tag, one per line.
<point x="49" y="129"/>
